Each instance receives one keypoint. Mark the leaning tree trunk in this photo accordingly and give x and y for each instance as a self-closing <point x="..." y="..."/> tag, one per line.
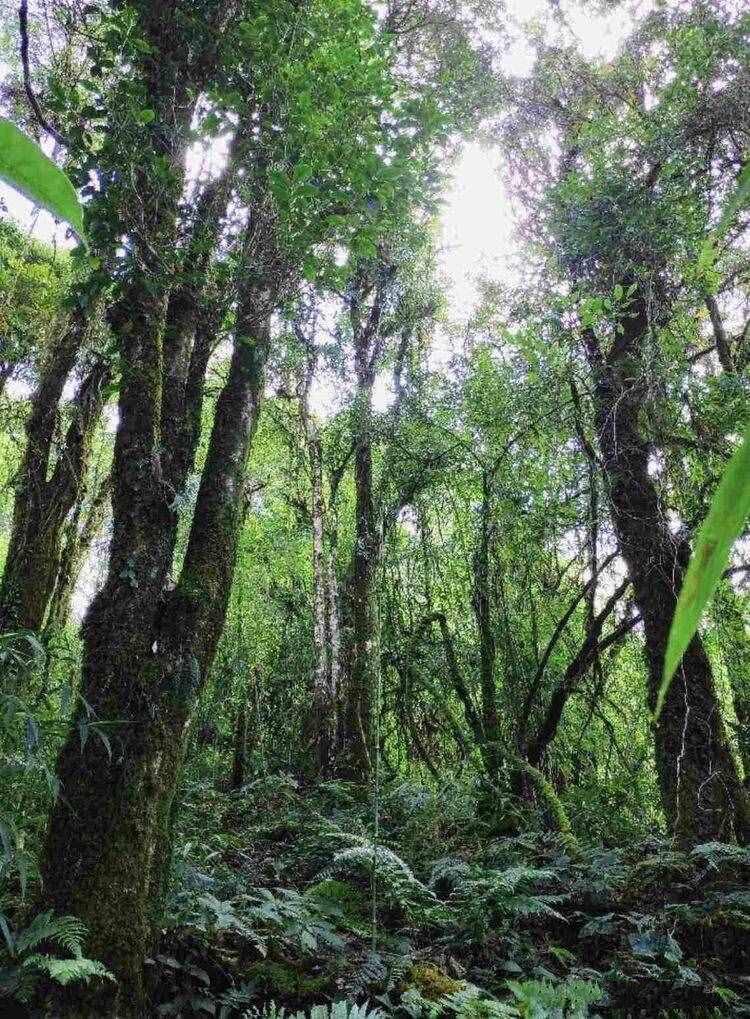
<point x="701" y="793"/>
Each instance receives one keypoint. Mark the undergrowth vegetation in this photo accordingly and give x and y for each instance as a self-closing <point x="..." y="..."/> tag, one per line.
<point x="281" y="895"/>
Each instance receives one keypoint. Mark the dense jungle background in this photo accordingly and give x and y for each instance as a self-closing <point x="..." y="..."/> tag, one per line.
<point x="333" y="613"/>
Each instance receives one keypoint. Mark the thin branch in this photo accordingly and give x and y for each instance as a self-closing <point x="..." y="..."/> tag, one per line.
<point x="23" y="25"/>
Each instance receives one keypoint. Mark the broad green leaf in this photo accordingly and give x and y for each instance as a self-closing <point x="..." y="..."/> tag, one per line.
<point x="726" y="518"/>
<point x="26" y="168"/>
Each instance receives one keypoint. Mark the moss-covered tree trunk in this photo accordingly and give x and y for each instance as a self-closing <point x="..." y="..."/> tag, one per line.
<point x="145" y="647"/>
<point x="701" y="792"/>
<point x="146" y="656"/>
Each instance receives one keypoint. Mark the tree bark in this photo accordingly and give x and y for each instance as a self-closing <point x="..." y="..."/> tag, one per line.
<point x="79" y="537"/>
<point x="357" y="736"/>
<point x="146" y="648"/>
<point x="42" y="507"/>
<point x="42" y="503"/>
<point x="487" y="648"/>
<point x="701" y="793"/>
<point x="322" y="723"/>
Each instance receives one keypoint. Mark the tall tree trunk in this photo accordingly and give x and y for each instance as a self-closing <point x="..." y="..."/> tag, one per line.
<point x="322" y="719"/>
<point x="324" y="703"/>
<point x="357" y="739"/>
<point x="42" y="507"/>
<point x="701" y="793"/>
<point x="333" y="629"/>
<point x="487" y="650"/>
<point x="357" y="735"/>
<point x="146" y="648"/>
<point x="146" y="658"/>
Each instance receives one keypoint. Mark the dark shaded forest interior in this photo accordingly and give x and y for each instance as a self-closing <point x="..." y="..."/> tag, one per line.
<point x="340" y="554"/>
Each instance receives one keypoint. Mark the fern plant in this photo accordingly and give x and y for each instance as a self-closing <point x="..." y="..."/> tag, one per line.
<point x="468" y="1002"/>
<point x="538" y="999"/>
<point x="263" y="916"/>
<point x="25" y="965"/>
<point x="395" y="881"/>
<point x="338" y="1010"/>
<point x="486" y="899"/>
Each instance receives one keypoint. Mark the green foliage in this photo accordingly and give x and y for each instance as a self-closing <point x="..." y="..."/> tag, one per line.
<point x="467" y="1003"/>
<point x="540" y="1000"/>
<point x="34" y="281"/>
<point x="395" y="881"/>
<point x="509" y="858"/>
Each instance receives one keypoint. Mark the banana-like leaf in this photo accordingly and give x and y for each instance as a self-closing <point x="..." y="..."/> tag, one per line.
<point x="726" y="518"/>
<point x="729" y="508"/>
<point x="26" y="168"/>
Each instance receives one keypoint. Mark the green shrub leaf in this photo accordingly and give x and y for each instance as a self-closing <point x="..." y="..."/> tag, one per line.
<point x="26" y="168"/>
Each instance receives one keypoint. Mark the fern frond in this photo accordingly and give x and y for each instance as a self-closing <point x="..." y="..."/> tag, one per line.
<point x="395" y="878"/>
<point x="68" y="971"/>
<point x="66" y="931"/>
<point x="338" y="1010"/>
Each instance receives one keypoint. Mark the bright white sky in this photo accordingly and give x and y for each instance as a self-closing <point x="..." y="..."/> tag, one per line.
<point x="477" y="222"/>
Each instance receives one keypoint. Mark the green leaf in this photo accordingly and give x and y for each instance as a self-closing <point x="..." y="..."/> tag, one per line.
<point x="146" y="116"/>
<point x="726" y="518"/>
<point x="26" y="168"/>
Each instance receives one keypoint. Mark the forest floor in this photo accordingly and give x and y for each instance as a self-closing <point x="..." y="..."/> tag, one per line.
<point x="276" y="887"/>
